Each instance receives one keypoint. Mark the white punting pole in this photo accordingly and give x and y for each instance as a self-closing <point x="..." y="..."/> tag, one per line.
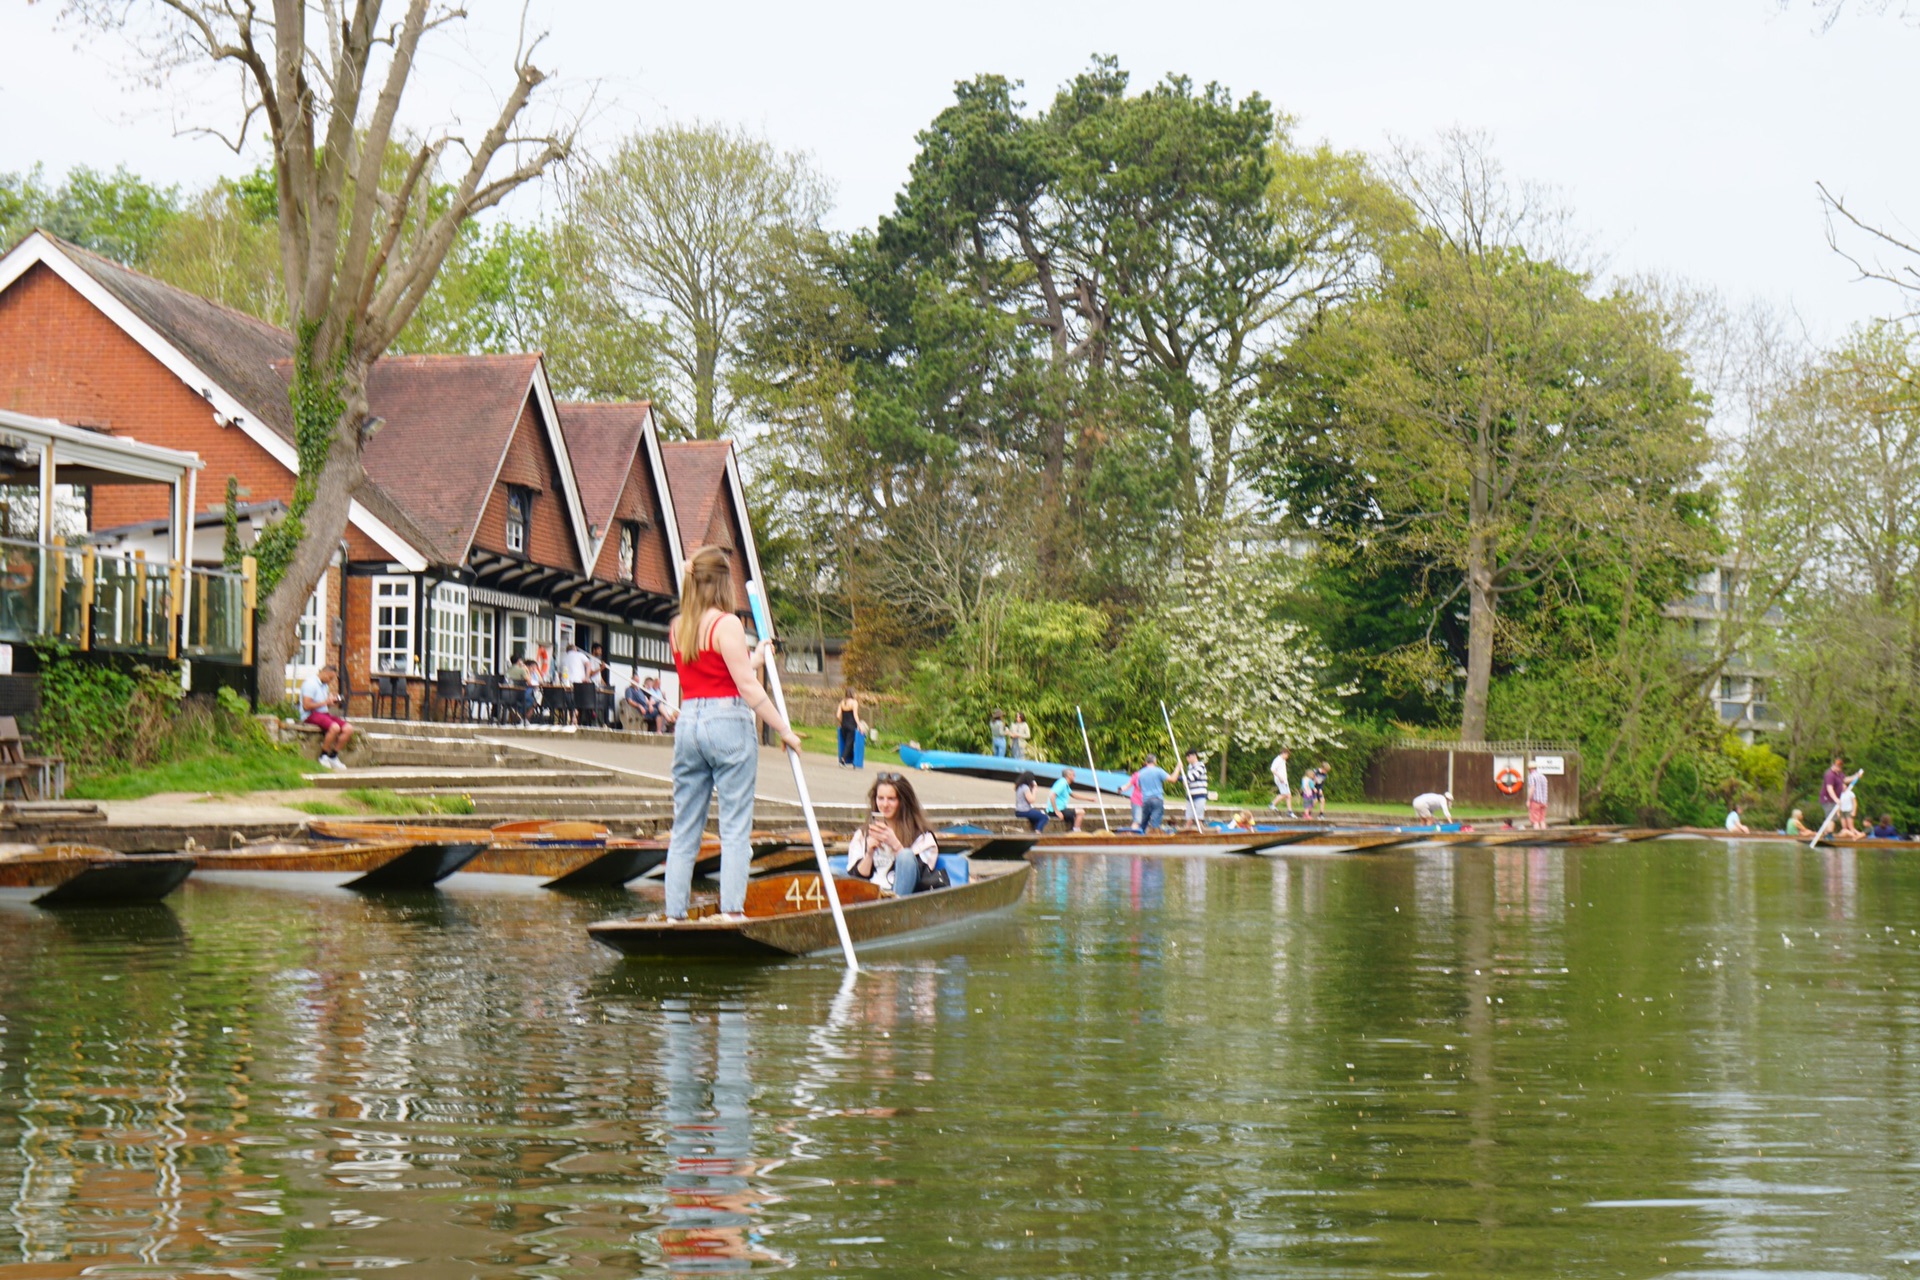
<point x="1093" y="769"/>
<point x="1179" y="761"/>
<point x="763" y="623"/>
<point x="1828" y="823"/>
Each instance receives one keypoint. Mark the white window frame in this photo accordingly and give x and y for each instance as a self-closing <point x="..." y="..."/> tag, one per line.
<point x="521" y="498"/>
<point x="450" y="627"/>
<point x="390" y="646"/>
<point x="310" y="653"/>
<point x="482" y="643"/>
<point x="629" y="549"/>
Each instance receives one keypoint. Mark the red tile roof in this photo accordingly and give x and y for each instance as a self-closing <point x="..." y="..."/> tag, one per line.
<point x="448" y="418"/>
<point x="696" y="477"/>
<point x="609" y="435"/>
<point x="448" y="422"/>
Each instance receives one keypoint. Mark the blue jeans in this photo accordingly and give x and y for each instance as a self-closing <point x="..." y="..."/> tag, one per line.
<point x="713" y="751"/>
<point x="1152" y="809"/>
<point x="1000" y="746"/>
<point x="1036" y="818"/>
<point x="906" y="873"/>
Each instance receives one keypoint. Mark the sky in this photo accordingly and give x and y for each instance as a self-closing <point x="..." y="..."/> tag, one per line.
<point x="1686" y="136"/>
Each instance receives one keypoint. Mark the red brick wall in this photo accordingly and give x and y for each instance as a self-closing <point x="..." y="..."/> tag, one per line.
<point x="531" y="462"/>
<point x="60" y="358"/>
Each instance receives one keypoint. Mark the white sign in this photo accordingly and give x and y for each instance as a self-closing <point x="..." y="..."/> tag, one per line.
<point x="1555" y="765"/>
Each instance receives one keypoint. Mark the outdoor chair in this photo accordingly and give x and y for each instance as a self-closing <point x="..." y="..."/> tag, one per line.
<point x="14" y="768"/>
<point x="390" y="693"/>
<point x="586" y="703"/>
<point x="558" y="701"/>
<point x="449" y="688"/>
<point x="479" y="701"/>
<point x="50" y="772"/>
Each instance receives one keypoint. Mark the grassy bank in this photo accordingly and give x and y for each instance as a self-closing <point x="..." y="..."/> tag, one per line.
<point x="361" y="802"/>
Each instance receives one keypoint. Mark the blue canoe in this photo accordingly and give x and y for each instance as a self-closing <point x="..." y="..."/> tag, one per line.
<point x="1003" y="769"/>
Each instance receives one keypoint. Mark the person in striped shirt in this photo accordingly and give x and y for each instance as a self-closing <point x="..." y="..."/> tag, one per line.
<point x="1195" y="780"/>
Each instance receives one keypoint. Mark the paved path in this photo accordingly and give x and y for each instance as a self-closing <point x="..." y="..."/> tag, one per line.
<point x="826" y="780"/>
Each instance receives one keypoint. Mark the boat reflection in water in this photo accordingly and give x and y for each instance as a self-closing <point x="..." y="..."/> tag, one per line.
<point x="712" y="1218"/>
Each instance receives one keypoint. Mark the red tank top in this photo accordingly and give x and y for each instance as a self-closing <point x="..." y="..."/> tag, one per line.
<point x="707" y="675"/>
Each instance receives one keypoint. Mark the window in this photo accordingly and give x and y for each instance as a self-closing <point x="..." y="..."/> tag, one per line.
<point x="449" y="627"/>
<point x="620" y="644"/>
<point x="393" y="625"/>
<point x="629" y="544"/>
<point x="480" y="647"/>
<point x="525" y="634"/>
<point x="653" y="650"/>
<point x="803" y="662"/>
<point x="519" y="510"/>
<point x="313" y="633"/>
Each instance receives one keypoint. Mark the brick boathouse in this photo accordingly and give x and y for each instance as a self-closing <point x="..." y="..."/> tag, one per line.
<point x="494" y="521"/>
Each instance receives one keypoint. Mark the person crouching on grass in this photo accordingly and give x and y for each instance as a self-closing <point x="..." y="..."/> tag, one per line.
<point x="896" y="848"/>
<point x="317" y="701"/>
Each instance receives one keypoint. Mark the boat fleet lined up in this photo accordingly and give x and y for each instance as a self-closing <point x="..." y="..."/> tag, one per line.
<point x="786" y="908"/>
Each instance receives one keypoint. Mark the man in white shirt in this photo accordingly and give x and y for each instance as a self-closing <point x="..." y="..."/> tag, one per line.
<point x="1282" y="786"/>
<point x="576" y="669"/>
<point x="317" y="700"/>
<point x="1734" y="825"/>
<point x="1424" y="805"/>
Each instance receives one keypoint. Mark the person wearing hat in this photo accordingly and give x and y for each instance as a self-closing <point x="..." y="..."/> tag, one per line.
<point x="1424" y="805"/>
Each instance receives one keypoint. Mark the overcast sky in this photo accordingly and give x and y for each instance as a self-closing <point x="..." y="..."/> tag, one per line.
<point x="1687" y="135"/>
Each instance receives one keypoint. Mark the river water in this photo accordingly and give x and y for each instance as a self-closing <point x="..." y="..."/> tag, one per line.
<point x="1644" y="1060"/>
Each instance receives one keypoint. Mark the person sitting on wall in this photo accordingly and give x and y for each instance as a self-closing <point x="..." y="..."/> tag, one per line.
<point x="317" y="701"/>
<point x="635" y="705"/>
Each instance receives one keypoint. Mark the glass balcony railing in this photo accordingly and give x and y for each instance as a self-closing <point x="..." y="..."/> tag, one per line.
<point x="124" y="604"/>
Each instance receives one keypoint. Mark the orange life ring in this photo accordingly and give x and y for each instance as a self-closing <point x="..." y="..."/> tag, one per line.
<point x="1508" y="780"/>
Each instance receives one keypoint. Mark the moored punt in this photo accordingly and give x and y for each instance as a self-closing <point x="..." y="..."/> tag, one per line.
<point x="1225" y="842"/>
<point x="1360" y="840"/>
<point x="551" y="831"/>
<point x="82" y="875"/>
<point x="351" y="832"/>
<point x="988" y="848"/>
<point x="571" y="866"/>
<point x="369" y="868"/>
<point x="786" y="916"/>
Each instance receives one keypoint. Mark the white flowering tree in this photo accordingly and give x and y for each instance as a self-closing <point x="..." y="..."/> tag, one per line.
<point x="1245" y="677"/>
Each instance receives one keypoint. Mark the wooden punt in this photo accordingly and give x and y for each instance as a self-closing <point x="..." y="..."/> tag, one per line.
<point x="551" y="831"/>
<point x="1360" y="840"/>
<point x="369" y="868"/>
<point x="571" y="866"/>
<point x="1240" y="842"/>
<point x="351" y="832"/>
<point x="988" y="848"/>
<point x="67" y="875"/>
<point x="769" y="932"/>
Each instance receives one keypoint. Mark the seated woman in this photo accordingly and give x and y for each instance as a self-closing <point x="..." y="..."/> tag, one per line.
<point x="1023" y="805"/>
<point x="1797" y="825"/>
<point x="896" y="847"/>
<point x="1242" y="821"/>
<point x="1884" y="829"/>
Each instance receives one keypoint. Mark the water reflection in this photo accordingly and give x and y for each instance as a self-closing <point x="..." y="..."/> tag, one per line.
<point x="712" y="1217"/>
<point x="1519" y="1062"/>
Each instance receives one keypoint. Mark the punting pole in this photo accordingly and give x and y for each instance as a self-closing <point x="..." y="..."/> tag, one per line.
<point x="1179" y="761"/>
<point x="1092" y="768"/>
<point x="763" y="623"/>
<point x="1828" y="823"/>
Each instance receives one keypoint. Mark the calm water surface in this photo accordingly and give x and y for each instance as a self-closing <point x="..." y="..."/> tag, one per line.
<point x="1646" y="1060"/>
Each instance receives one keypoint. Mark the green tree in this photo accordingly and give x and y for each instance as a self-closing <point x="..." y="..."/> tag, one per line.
<point x="678" y="224"/>
<point x="359" y="246"/>
<point x="1499" y="414"/>
<point x="117" y="215"/>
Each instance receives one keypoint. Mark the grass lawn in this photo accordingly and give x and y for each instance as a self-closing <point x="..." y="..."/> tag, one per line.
<point x="215" y="770"/>
<point x="360" y="802"/>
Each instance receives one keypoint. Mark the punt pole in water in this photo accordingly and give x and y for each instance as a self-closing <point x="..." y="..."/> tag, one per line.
<point x="1840" y="800"/>
<point x="1093" y="769"/>
<point x="763" y="623"/>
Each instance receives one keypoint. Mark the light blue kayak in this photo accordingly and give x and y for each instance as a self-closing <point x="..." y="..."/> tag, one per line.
<point x="1004" y="769"/>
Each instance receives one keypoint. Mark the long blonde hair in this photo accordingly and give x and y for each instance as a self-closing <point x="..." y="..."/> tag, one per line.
<point x="707" y="584"/>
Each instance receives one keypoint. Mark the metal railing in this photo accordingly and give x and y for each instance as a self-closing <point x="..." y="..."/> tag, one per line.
<point x="95" y="599"/>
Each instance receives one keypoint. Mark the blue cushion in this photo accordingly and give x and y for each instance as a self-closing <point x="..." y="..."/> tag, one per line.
<point x="958" y="869"/>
